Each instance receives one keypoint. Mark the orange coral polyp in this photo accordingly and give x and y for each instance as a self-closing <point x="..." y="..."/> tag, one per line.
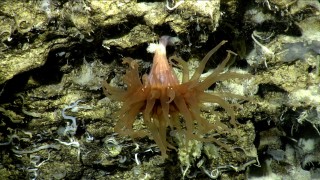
<point x="162" y="99"/>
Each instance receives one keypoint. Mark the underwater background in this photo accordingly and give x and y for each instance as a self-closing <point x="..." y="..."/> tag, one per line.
<point x="56" y="122"/>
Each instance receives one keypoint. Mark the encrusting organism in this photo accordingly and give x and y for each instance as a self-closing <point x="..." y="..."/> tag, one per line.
<point x="166" y="102"/>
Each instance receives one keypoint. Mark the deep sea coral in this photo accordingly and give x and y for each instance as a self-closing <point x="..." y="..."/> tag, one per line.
<point x="165" y="102"/>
